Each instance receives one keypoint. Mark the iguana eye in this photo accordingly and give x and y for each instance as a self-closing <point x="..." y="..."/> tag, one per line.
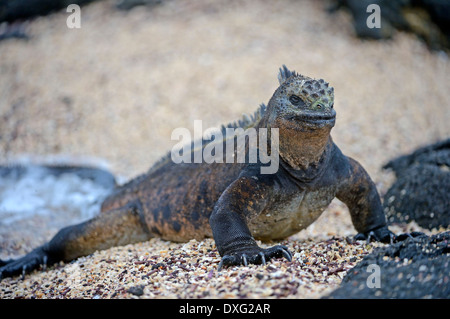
<point x="319" y="106"/>
<point x="332" y="105"/>
<point x="294" y="99"/>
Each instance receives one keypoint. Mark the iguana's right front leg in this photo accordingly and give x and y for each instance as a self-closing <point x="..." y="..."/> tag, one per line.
<point x="244" y="199"/>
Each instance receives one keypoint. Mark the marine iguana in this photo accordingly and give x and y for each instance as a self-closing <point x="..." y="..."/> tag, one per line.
<point x="235" y="203"/>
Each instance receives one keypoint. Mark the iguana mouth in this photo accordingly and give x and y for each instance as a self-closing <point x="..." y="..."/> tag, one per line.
<point x="315" y="118"/>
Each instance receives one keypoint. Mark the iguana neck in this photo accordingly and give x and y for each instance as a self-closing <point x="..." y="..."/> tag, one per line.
<point x="303" y="149"/>
<point x="307" y="176"/>
<point x="300" y="145"/>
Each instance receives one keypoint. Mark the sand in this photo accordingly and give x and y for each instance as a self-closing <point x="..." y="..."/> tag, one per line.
<point x="112" y="92"/>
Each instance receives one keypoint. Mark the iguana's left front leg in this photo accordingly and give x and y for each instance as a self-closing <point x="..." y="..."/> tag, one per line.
<point x="360" y="194"/>
<point x="244" y="199"/>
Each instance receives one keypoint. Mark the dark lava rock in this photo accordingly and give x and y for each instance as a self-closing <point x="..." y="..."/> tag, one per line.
<point x="422" y="189"/>
<point x="14" y="13"/>
<point x="415" y="268"/>
<point x="12" y="10"/>
<point x="428" y="19"/>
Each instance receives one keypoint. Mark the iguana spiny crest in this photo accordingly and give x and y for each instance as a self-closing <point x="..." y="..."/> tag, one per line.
<point x="303" y="90"/>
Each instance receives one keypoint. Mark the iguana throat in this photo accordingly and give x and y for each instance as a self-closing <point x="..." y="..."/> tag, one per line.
<point x="302" y="148"/>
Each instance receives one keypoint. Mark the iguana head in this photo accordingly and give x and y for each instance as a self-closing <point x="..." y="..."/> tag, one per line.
<point x="302" y="109"/>
<point x="303" y="100"/>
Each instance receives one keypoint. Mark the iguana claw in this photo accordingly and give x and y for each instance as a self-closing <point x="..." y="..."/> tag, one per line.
<point x="24" y="272"/>
<point x="254" y="255"/>
<point x="23" y="265"/>
<point x="225" y="260"/>
<point x="381" y="234"/>
<point x="286" y="253"/>
<point x="244" y="260"/>
<point x="263" y="258"/>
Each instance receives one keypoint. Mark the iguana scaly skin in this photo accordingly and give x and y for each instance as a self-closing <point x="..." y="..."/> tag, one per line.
<point x="235" y="203"/>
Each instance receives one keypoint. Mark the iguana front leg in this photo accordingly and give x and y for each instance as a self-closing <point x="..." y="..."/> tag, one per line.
<point x="244" y="199"/>
<point x="360" y="194"/>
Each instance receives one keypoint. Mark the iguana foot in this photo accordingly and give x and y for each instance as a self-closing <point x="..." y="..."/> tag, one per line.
<point x="381" y="234"/>
<point x="254" y="255"/>
<point x="405" y="236"/>
<point x="23" y="265"/>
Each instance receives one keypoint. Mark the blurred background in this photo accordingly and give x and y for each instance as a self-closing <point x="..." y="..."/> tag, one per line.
<point x="111" y="92"/>
<point x="115" y="88"/>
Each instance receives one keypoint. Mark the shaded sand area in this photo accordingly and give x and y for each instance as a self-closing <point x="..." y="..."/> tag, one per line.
<point x="111" y="93"/>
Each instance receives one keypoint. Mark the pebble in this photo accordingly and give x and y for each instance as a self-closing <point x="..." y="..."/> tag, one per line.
<point x="187" y="276"/>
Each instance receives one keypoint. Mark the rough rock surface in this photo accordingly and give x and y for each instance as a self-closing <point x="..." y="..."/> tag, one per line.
<point x="421" y="192"/>
<point x="415" y="268"/>
<point x="429" y="20"/>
